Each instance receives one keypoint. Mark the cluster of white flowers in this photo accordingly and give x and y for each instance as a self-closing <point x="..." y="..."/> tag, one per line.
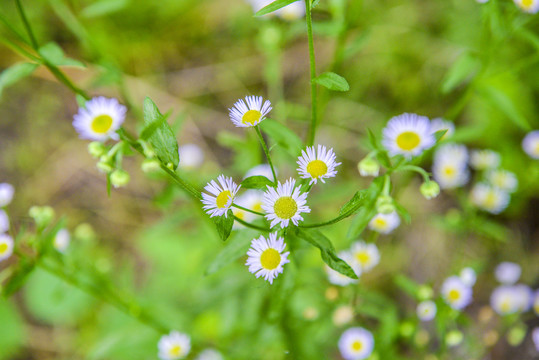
<point x="361" y="256"/>
<point x="6" y="242"/>
<point x="510" y="297"/>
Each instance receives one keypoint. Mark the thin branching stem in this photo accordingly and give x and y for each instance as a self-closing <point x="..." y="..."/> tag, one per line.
<point x="266" y="151"/>
<point x="314" y="105"/>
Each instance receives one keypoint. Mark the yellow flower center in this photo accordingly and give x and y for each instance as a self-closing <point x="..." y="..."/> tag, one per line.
<point x="317" y="168"/>
<point x="408" y="140"/>
<point x="363" y="257"/>
<point x="536" y="307"/>
<point x="3" y="248"/>
<point x="270" y="259"/>
<point x="175" y="350"/>
<point x="257" y="206"/>
<point x="285" y="207"/>
<point x="101" y="124"/>
<point x="380" y="223"/>
<point x="449" y="171"/>
<point x="499" y="180"/>
<point x="222" y="199"/>
<point x="491" y="200"/>
<point x="251" y="117"/>
<point x="536" y="148"/>
<point x="505" y="306"/>
<point x="527" y="3"/>
<point x="357" y="345"/>
<point x="453" y="295"/>
<point x="240" y="214"/>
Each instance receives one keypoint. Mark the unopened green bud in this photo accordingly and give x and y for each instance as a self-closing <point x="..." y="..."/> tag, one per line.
<point x="170" y="166"/>
<point x="406" y="329"/>
<point x="150" y="166"/>
<point x="424" y="292"/>
<point x="149" y="153"/>
<point x="104" y="167"/>
<point x="516" y="335"/>
<point x="453" y="338"/>
<point x="384" y="204"/>
<point x="97" y="149"/>
<point x="430" y="189"/>
<point x="119" y="178"/>
<point x="368" y="167"/>
<point x="42" y="215"/>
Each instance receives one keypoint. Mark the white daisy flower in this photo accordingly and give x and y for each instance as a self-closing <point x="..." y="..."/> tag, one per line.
<point x="174" y="346"/>
<point x="468" y="276"/>
<point x="251" y="199"/>
<point x="529" y="6"/>
<point x="284" y="204"/>
<point x="455" y="293"/>
<point x="524" y="295"/>
<point x="317" y="164"/>
<point x="449" y="167"/>
<point x="356" y="344"/>
<point x="100" y="119"/>
<point x="261" y="170"/>
<point x="249" y="112"/>
<point x="510" y="299"/>
<point x="484" y="159"/>
<point x="210" y="354"/>
<point x="426" y="310"/>
<point x="366" y="255"/>
<point x="266" y="257"/>
<point x="503" y="179"/>
<point x="4" y="222"/>
<point x="536" y="302"/>
<point x="535" y="338"/>
<point x="441" y="124"/>
<point x="385" y="223"/>
<point x="489" y="198"/>
<point x="191" y="156"/>
<point x="222" y="195"/>
<point x="62" y="240"/>
<point x="407" y="134"/>
<point x="530" y="144"/>
<point x="336" y="278"/>
<point x="6" y="194"/>
<point x="508" y="273"/>
<point x="6" y="246"/>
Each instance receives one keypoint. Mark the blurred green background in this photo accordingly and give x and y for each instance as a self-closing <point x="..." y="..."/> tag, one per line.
<point x="475" y="64"/>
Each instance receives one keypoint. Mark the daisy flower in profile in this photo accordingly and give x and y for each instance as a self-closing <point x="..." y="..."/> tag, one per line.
<point x="191" y="156"/>
<point x="530" y="144"/>
<point x="356" y="344"/>
<point x="62" y="240"/>
<point x="317" y="164"/>
<point x="100" y="119"/>
<point x="408" y="135"/>
<point x="210" y="354"/>
<point x="426" y="310"/>
<point x="221" y="196"/>
<point x="449" y="167"/>
<point x="266" y="257"/>
<point x="507" y="272"/>
<point x="251" y="199"/>
<point x="529" y="6"/>
<point x="249" y="112"/>
<point x="284" y="204"/>
<point x="6" y="194"/>
<point x="441" y="124"/>
<point x="455" y="293"/>
<point x="385" y="223"/>
<point x="503" y="179"/>
<point x="468" y="276"/>
<point x="366" y="255"/>
<point x="484" y="159"/>
<point x="489" y="198"/>
<point x="261" y="170"/>
<point x="174" y="346"/>
<point x="336" y="278"/>
<point x="6" y="246"/>
<point x="4" y="222"/>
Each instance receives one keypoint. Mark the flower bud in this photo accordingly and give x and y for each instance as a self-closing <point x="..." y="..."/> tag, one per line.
<point x="6" y="194"/>
<point x="453" y="338"/>
<point x="368" y="167"/>
<point x="97" y="149"/>
<point x="384" y="204"/>
<point x="104" y="167"/>
<point x="425" y="292"/>
<point x="516" y="335"/>
<point x="150" y="166"/>
<point x="119" y="178"/>
<point x="42" y="215"/>
<point x="429" y="189"/>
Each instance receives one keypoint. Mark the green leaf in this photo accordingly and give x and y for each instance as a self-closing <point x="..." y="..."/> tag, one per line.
<point x="407" y="285"/>
<point x="103" y="7"/>
<point x="355" y="202"/>
<point x="224" y="224"/>
<point x="372" y="139"/>
<point x="332" y="81"/>
<point x="327" y="251"/>
<point x="274" y="6"/>
<point x="283" y="136"/>
<point x="461" y="70"/>
<point x="500" y="100"/>
<point x="15" y="73"/>
<point x="256" y="182"/>
<point x="438" y="135"/>
<point x="54" y="54"/>
<point x="162" y="137"/>
<point x="401" y="210"/>
<point x="233" y="250"/>
<point x="368" y="210"/>
<point x="24" y="268"/>
<point x="12" y="331"/>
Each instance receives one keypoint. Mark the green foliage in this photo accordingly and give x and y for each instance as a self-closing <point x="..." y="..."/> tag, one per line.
<point x="283" y="136"/>
<point x="274" y="6"/>
<point x="256" y="182"/>
<point x="224" y="224"/>
<point x="332" y="81"/>
<point x="15" y="73"/>
<point x="54" y="55"/>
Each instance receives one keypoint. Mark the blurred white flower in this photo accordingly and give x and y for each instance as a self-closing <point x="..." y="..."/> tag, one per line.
<point x="266" y="257"/>
<point x="508" y="273"/>
<point x="62" y="240"/>
<point x="484" y="159"/>
<point x="356" y="344"/>
<point x="343" y="315"/>
<point x="529" y="6"/>
<point x="6" y="194"/>
<point x="489" y="198"/>
<point x="426" y="310"/>
<point x="4" y="222"/>
<point x="191" y="156"/>
<point x="174" y="346"/>
<point x="503" y="179"/>
<point x="251" y="199"/>
<point x="385" y="223"/>
<point x="455" y="293"/>
<point x="408" y="135"/>
<point x="210" y="354"/>
<point x="6" y="246"/>
<point x="365" y="255"/>
<point x="100" y="119"/>
<point x="468" y="276"/>
<point x="438" y="124"/>
<point x="317" y="164"/>
<point x="510" y="299"/>
<point x="261" y="170"/>
<point x="449" y="167"/>
<point x="530" y="144"/>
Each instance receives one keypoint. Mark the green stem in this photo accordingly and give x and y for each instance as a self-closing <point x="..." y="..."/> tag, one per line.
<point x="183" y="184"/>
<point x="312" y="130"/>
<point x="266" y="151"/>
<point x="417" y="169"/>
<point x="248" y="210"/>
<point x="387" y="183"/>
<point x="325" y="223"/>
<point x="249" y="225"/>
<point x="27" y="25"/>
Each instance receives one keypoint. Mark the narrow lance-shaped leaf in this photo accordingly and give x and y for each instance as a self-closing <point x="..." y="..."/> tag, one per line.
<point x="368" y="210"/>
<point x="15" y="73"/>
<point x="224" y="224"/>
<point x="353" y="205"/>
<point x="274" y="6"/>
<point x="332" y="81"/>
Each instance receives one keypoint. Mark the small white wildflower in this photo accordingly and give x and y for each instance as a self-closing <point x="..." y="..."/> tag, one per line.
<point x="6" y="246"/>
<point x="249" y="112"/>
<point x="222" y="195"/>
<point x="507" y="272"/>
<point x="210" y="354"/>
<point x="510" y="299"/>
<point x="343" y="315"/>
<point x="252" y="200"/>
<point x="266" y="257"/>
<point x="489" y="198"/>
<point x="530" y="144"/>
<point x="317" y="164"/>
<point x="100" y="119"/>
<point x="455" y="293"/>
<point x="438" y="124"/>
<point x="365" y="255"/>
<point x="468" y="276"/>
<point x="529" y="6"/>
<point x="62" y="240"/>
<point x="191" y="156"/>
<point x="449" y="167"/>
<point x="4" y="222"/>
<point x="385" y="223"/>
<point x="6" y="194"/>
<point x="484" y="159"/>
<point x="426" y="310"/>
<point x="284" y="204"/>
<point x="503" y="179"/>
<point x="408" y="135"/>
<point x="174" y="346"/>
<point x="356" y="344"/>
